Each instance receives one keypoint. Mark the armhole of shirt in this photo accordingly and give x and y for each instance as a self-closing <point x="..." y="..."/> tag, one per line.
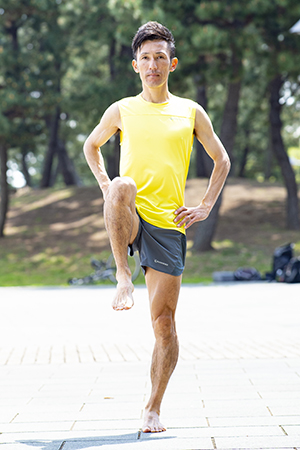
<point x="194" y="118"/>
<point x="122" y="124"/>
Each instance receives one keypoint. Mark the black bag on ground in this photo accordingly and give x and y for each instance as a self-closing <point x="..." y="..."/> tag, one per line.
<point x="247" y="274"/>
<point x="282" y="256"/>
<point x="292" y="271"/>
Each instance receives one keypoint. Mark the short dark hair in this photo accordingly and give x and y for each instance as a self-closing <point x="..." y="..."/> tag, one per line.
<point x="153" y="31"/>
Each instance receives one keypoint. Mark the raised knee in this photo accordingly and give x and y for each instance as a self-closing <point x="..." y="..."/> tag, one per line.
<point x="122" y="190"/>
<point x="164" y="326"/>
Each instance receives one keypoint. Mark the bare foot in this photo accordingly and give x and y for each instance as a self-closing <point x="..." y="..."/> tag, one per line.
<point x="152" y="423"/>
<point x="123" y="298"/>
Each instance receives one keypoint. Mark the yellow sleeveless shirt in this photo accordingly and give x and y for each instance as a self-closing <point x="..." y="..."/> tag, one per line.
<point x="156" y="145"/>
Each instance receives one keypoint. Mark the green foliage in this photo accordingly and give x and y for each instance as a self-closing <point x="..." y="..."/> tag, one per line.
<point x="76" y="54"/>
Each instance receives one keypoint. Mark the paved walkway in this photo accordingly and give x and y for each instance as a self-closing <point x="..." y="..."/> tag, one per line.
<point x="74" y="374"/>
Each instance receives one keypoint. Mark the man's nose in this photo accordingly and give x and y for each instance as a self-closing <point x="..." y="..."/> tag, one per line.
<point x="153" y="64"/>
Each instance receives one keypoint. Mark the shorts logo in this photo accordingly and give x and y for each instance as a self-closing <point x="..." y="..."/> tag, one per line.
<point x="160" y="262"/>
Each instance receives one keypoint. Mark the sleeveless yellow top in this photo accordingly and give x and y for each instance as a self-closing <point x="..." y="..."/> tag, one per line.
<point x="156" y="145"/>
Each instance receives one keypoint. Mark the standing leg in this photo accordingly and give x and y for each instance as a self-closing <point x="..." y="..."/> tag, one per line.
<point x="122" y="223"/>
<point x="163" y="294"/>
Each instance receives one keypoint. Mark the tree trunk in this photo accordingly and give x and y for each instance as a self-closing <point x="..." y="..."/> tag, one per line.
<point x="269" y="158"/>
<point x="53" y="126"/>
<point x="244" y="155"/>
<point x="66" y="166"/>
<point x="229" y="122"/>
<point x="25" y="168"/>
<point x="205" y="230"/>
<point x="4" y="189"/>
<point x="292" y="218"/>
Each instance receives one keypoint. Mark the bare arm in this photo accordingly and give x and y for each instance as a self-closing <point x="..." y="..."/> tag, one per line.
<point x="108" y="126"/>
<point x="205" y="134"/>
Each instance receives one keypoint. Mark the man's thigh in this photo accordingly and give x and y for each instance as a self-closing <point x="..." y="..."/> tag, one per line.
<point x="124" y="190"/>
<point x="163" y="292"/>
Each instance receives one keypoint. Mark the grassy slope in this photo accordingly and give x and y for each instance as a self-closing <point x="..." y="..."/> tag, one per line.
<point x="52" y="234"/>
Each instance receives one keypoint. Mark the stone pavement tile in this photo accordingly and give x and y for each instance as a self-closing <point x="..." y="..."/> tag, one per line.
<point x="289" y="402"/>
<point x="239" y="403"/>
<point x="71" y="385"/>
<point x="285" y="410"/>
<point x="206" y="368"/>
<point x="292" y="430"/>
<point x="229" y="394"/>
<point x="275" y="380"/>
<point x="228" y="390"/>
<point x="51" y="407"/>
<point x="280" y="387"/>
<point x="116" y="389"/>
<point x="55" y="436"/>
<point x="184" y="422"/>
<point x="159" y="443"/>
<point x="84" y="425"/>
<point x="219" y="381"/>
<point x="257" y="442"/>
<point x="236" y="409"/>
<point x="94" y="412"/>
<point x="15" y="401"/>
<point x="36" y="426"/>
<point x="288" y="420"/>
<point x="181" y="400"/>
<point x="245" y="431"/>
<point x="178" y="413"/>
<point x="176" y="438"/>
<point x="99" y="397"/>
<point x="31" y="446"/>
<point x="277" y="395"/>
<point x="7" y="413"/>
<point x="213" y="432"/>
<point x="222" y="365"/>
<point x="111" y="405"/>
<point x="180" y="387"/>
<point x="45" y="416"/>
<point x="293" y="363"/>
<point x="260" y="421"/>
<point x="60" y="401"/>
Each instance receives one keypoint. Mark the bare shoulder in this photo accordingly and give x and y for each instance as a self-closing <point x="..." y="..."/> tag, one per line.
<point x="204" y="132"/>
<point x="112" y="117"/>
<point x="201" y="116"/>
<point x="109" y="124"/>
<point x="203" y="123"/>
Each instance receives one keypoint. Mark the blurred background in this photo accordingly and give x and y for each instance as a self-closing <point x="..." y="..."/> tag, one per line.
<point x="63" y="62"/>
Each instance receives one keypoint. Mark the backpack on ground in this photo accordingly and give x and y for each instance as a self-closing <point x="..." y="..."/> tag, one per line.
<point x="292" y="271"/>
<point x="281" y="257"/>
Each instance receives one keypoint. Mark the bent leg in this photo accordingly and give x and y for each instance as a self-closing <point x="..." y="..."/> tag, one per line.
<point x="163" y="294"/>
<point x="122" y="223"/>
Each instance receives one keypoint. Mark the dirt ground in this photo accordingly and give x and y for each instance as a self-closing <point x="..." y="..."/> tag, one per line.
<point x="71" y="219"/>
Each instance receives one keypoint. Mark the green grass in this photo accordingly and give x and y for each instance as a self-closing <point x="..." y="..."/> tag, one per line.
<point x="49" y="269"/>
<point x="227" y="256"/>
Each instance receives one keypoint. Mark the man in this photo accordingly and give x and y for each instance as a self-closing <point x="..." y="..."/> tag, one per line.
<point x="144" y="208"/>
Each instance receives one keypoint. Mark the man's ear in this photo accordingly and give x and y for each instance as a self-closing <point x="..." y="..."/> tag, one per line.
<point x="135" y="66"/>
<point x="174" y="63"/>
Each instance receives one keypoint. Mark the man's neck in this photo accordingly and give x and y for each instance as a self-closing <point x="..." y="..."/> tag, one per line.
<point x="156" y="95"/>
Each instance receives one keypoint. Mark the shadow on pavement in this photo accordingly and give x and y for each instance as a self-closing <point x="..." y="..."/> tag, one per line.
<point x="91" y="442"/>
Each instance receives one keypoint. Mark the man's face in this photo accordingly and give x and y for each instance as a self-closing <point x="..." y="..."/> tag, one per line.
<point x="153" y="63"/>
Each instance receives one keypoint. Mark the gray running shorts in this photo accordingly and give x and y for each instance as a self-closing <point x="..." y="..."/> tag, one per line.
<point x="159" y="248"/>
